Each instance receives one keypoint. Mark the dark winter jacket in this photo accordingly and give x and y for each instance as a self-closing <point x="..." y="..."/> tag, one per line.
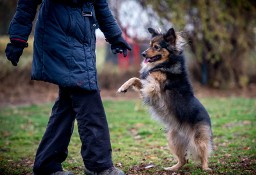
<point x="64" y="40"/>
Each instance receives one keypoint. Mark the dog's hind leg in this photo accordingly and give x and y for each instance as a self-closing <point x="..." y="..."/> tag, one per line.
<point x="133" y="82"/>
<point x="178" y="147"/>
<point x="204" y="145"/>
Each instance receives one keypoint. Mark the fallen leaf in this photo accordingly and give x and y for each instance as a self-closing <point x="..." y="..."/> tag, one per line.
<point x="149" y="166"/>
<point x="119" y="164"/>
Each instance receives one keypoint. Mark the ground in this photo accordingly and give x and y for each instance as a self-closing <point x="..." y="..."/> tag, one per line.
<point x="139" y="144"/>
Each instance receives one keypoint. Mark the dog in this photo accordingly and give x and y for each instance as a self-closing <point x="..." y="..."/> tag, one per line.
<point x="165" y="88"/>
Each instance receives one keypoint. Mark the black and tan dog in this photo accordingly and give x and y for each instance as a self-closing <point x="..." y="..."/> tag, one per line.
<point x="165" y="88"/>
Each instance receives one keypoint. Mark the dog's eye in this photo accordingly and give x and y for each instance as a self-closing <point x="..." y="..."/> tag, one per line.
<point x="156" y="47"/>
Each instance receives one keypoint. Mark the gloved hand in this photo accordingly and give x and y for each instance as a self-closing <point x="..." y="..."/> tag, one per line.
<point x="119" y="45"/>
<point x="14" y="50"/>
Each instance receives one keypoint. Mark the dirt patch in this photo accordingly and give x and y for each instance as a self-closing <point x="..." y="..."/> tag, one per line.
<point x="31" y="93"/>
<point x="22" y="90"/>
<point x="201" y="91"/>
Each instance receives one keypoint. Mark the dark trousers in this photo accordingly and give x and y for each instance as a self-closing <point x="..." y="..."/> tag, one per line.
<point x="87" y="108"/>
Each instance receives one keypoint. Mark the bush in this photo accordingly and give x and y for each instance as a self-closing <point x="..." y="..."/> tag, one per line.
<point x="110" y="77"/>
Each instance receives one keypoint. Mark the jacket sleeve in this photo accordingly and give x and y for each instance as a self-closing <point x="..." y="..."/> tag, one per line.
<point x="21" y="24"/>
<point x="107" y="22"/>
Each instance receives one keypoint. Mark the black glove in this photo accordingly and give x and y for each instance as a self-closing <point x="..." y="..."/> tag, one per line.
<point x="119" y="45"/>
<point x="14" y="50"/>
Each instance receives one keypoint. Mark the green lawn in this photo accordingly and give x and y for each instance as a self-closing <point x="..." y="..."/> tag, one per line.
<point x="137" y="140"/>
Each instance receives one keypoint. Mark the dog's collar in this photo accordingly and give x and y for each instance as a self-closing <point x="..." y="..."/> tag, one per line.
<point x="165" y="67"/>
<point x="144" y="74"/>
<point x="160" y="67"/>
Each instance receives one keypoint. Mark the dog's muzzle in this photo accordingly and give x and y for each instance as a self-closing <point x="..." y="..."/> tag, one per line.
<point x="152" y="59"/>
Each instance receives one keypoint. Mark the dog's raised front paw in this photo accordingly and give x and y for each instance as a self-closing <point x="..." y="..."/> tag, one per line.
<point x="122" y="90"/>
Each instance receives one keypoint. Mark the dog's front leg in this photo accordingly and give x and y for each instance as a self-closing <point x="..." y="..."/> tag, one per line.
<point x="133" y="82"/>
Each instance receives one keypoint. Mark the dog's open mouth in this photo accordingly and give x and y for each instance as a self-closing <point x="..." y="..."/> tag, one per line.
<point x="152" y="59"/>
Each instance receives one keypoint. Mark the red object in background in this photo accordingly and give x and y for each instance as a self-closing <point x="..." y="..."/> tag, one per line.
<point x="136" y="54"/>
<point x="123" y="62"/>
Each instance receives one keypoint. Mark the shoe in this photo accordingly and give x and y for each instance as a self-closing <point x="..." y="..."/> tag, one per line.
<point x="110" y="171"/>
<point x="60" y="173"/>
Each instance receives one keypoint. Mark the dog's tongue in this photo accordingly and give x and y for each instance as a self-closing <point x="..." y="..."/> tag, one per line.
<point x="146" y="60"/>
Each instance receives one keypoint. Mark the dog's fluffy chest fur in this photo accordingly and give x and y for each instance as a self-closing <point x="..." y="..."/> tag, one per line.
<point x="162" y="87"/>
<point x="154" y="96"/>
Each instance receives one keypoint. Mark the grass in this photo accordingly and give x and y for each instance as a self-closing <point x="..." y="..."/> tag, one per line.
<point x="138" y="142"/>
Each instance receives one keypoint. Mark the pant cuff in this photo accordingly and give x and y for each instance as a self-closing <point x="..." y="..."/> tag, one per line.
<point x="98" y="168"/>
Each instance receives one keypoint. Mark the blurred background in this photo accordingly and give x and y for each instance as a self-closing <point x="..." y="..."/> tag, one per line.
<point x="220" y="58"/>
<point x="221" y="54"/>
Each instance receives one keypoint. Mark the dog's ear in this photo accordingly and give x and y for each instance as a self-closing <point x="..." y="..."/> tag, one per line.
<point x="170" y="36"/>
<point x="153" y="32"/>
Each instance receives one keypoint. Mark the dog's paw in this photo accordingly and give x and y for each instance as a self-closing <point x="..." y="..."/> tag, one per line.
<point x="170" y="169"/>
<point x="167" y="168"/>
<point x="122" y="90"/>
<point x="173" y="168"/>
<point x="207" y="169"/>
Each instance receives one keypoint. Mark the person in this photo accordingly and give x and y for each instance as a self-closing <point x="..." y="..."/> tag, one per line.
<point x="64" y="54"/>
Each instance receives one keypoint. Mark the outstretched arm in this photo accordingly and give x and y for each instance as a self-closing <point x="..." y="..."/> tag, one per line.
<point x="107" y="22"/>
<point x="110" y="28"/>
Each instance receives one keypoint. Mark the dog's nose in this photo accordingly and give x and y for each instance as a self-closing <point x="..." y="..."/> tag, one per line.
<point x="143" y="54"/>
